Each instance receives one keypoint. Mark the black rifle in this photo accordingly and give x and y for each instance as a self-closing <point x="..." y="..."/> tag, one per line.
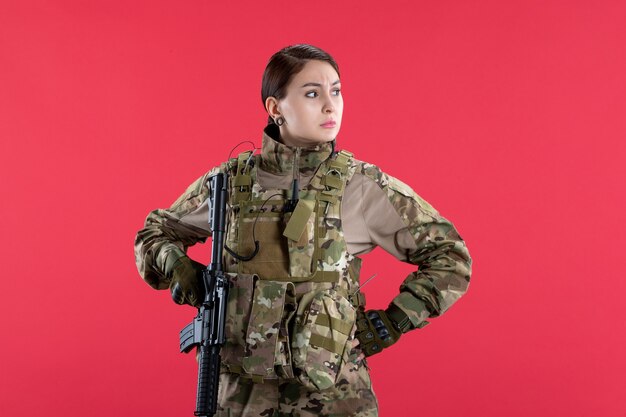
<point x="207" y="330"/>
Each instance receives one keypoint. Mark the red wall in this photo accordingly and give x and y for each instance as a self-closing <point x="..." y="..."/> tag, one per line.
<point x="509" y="117"/>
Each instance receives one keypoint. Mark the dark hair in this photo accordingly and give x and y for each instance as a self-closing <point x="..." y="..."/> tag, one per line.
<point x="286" y="63"/>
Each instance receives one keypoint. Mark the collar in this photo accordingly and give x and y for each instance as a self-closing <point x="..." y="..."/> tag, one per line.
<point x="278" y="158"/>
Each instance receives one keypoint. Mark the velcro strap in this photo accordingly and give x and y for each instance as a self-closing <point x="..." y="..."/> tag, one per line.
<point x="341" y="161"/>
<point x="358" y="299"/>
<point x="325" y="276"/>
<point x="170" y="260"/>
<point x="328" y="197"/>
<point x="334" y="323"/>
<point x="240" y="196"/>
<point x="327" y="343"/>
<point x="242" y="180"/>
<point x="318" y="276"/>
<point x="332" y="181"/>
<point x="343" y="156"/>
<point x="236" y="369"/>
<point x="299" y="219"/>
<point x="242" y="159"/>
<point x="338" y="166"/>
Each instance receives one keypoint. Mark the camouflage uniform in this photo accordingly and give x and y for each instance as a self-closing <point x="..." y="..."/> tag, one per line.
<point x="292" y="308"/>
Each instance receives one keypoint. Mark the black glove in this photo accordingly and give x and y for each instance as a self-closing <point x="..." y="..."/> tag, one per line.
<point x="379" y="329"/>
<point x="186" y="283"/>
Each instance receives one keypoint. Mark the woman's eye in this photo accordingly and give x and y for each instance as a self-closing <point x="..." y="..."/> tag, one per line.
<point x="311" y="94"/>
<point x="337" y="91"/>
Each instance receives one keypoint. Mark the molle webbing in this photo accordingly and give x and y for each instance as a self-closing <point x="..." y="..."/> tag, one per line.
<point x="334" y="323"/>
<point x="238" y="369"/>
<point x="327" y="343"/>
<point x="318" y="276"/>
<point x="334" y="179"/>
<point x="325" y="190"/>
<point x="242" y="180"/>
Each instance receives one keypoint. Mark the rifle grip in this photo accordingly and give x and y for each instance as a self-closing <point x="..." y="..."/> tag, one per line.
<point x="208" y="381"/>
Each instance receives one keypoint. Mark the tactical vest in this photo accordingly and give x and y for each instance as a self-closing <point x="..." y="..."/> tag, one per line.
<point x="292" y="307"/>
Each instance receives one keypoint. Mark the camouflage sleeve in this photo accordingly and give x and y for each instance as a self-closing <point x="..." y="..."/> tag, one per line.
<point x="167" y="233"/>
<point x="421" y="236"/>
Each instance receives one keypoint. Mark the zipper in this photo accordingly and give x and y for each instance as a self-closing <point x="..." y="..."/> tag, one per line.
<point x="296" y="165"/>
<point x="292" y="200"/>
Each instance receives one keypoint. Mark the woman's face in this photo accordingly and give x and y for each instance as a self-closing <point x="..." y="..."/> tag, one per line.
<point x="312" y="107"/>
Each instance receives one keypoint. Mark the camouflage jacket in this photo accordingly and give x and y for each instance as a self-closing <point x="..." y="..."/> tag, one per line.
<point x="376" y="210"/>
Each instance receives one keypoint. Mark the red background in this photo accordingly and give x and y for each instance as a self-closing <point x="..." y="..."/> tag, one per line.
<point x="509" y="117"/>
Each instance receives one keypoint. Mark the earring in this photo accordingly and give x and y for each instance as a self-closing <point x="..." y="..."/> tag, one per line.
<point x="279" y="121"/>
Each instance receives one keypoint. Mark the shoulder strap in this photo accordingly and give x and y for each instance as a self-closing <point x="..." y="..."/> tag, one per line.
<point x="334" y="178"/>
<point x="241" y="182"/>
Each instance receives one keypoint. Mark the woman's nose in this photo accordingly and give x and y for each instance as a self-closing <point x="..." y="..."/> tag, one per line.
<point x="328" y="106"/>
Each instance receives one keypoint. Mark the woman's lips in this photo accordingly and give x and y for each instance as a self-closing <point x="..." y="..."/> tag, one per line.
<point x="329" y="124"/>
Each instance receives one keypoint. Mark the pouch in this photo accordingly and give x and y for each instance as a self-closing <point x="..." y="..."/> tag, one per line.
<point x="320" y="337"/>
<point x="262" y="334"/>
<point x="300" y="234"/>
<point x="266" y="226"/>
<point x="238" y="308"/>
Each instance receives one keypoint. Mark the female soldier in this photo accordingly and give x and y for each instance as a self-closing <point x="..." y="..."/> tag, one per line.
<point x="297" y="330"/>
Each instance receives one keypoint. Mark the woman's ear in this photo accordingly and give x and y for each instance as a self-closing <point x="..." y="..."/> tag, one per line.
<point x="271" y="106"/>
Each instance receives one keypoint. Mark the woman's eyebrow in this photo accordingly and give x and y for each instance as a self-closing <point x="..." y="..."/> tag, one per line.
<point x="317" y="84"/>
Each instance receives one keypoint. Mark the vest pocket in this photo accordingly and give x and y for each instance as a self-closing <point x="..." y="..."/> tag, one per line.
<point x="266" y="226"/>
<point x="320" y="338"/>
<point x="262" y="334"/>
<point x="238" y="308"/>
<point x="300" y="234"/>
<point x="256" y="330"/>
